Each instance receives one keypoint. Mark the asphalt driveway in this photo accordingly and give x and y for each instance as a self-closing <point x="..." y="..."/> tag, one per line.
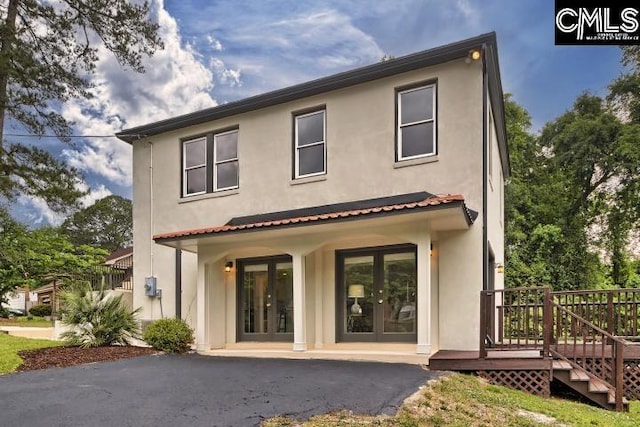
<point x="193" y="390"/>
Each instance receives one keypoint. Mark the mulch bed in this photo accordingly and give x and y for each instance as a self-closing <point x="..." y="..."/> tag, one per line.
<point x="60" y="357"/>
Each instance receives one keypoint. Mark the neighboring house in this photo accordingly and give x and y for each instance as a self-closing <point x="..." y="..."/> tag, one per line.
<point x="358" y="212"/>
<point x="121" y="261"/>
<point x="21" y="299"/>
<point x="114" y="274"/>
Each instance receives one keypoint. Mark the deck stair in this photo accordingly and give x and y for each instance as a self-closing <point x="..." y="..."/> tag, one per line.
<point x="579" y="380"/>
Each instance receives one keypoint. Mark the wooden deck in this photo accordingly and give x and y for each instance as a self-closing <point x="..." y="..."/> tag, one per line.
<point x="454" y="360"/>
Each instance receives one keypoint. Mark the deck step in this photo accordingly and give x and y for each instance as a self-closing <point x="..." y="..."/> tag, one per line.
<point x="598" y="386"/>
<point x="578" y="375"/>
<point x="562" y="365"/>
<point x="612" y="399"/>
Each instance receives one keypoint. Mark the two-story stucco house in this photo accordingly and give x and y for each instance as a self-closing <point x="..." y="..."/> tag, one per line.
<point x="357" y="213"/>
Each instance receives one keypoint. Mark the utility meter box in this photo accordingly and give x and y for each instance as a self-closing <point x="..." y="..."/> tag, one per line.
<point x="150" y="286"/>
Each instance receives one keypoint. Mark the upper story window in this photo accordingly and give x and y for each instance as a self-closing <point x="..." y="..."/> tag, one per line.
<point x="195" y="167"/>
<point x="225" y="161"/>
<point x="310" y="144"/>
<point x="210" y="163"/>
<point x="416" y="122"/>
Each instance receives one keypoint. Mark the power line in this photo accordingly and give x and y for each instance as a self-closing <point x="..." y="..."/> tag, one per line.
<point x="26" y="135"/>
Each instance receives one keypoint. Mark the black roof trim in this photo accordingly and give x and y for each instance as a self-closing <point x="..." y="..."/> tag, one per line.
<point x="335" y="207"/>
<point x="368" y="73"/>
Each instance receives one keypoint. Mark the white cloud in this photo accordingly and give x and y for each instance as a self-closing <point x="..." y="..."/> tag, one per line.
<point x="39" y="213"/>
<point x="214" y="43"/>
<point x="175" y="82"/>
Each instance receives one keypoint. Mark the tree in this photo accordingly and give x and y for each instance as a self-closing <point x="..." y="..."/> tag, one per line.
<point x="48" y="51"/>
<point x="106" y="224"/>
<point x="624" y="92"/>
<point x="35" y="258"/>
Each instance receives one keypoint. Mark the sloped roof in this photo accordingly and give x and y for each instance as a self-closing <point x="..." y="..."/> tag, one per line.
<point x="330" y="213"/>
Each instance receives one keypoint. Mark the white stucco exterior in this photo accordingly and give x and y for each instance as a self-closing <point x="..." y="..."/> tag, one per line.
<point x="360" y="144"/>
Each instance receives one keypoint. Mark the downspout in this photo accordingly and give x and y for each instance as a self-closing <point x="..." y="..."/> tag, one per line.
<point x="485" y="112"/>
<point x="150" y="208"/>
<point x="178" y="283"/>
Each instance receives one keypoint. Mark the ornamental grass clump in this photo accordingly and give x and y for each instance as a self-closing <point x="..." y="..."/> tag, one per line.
<point x="169" y="335"/>
<point x="97" y="319"/>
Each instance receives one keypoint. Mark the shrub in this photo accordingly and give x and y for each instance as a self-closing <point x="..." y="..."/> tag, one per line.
<point x="40" y="310"/>
<point x="170" y="335"/>
<point x="96" y="318"/>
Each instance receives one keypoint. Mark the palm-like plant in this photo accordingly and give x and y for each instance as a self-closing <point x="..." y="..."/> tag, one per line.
<point x="96" y="318"/>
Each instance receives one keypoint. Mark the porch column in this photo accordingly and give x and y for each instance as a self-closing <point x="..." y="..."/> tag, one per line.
<point x="201" y="308"/>
<point x="299" y="312"/>
<point x="424" y="293"/>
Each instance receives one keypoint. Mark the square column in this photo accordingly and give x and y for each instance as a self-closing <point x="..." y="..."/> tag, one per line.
<point x="201" y="308"/>
<point x="424" y="293"/>
<point x="299" y="311"/>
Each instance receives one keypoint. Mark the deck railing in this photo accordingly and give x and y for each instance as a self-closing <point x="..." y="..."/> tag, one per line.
<point x="595" y="350"/>
<point x="616" y="311"/>
<point x="589" y="329"/>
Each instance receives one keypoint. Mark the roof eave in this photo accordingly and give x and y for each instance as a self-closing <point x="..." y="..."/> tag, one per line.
<point x="365" y="74"/>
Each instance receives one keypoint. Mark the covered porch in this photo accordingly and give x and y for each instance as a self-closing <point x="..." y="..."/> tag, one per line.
<point x="354" y="282"/>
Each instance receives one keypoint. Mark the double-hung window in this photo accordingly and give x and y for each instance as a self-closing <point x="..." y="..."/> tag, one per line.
<point x="225" y="161"/>
<point x="194" y="167"/>
<point x="210" y="163"/>
<point x="416" y="122"/>
<point x="310" y="144"/>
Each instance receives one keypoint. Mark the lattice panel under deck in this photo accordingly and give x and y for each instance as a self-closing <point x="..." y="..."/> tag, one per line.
<point x="632" y="379"/>
<point x="536" y="382"/>
<point x="631" y="375"/>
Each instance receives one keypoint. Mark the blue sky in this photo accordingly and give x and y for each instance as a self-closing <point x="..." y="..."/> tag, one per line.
<point x="220" y="51"/>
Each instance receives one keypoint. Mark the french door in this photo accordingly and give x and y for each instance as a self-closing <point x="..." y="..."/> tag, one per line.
<point x="265" y="299"/>
<point x="376" y="294"/>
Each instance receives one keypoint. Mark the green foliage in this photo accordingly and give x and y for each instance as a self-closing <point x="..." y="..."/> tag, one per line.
<point x="40" y="310"/>
<point x="574" y="190"/>
<point x="96" y="318"/>
<point x="169" y="335"/>
<point x="107" y="224"/>
<point x="10" y="346"/>
<point x="32" y="258"/>
<point x="30" y="171"/>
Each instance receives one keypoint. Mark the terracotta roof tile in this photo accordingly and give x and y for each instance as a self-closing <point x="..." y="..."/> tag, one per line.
<point x="436" y="200"/>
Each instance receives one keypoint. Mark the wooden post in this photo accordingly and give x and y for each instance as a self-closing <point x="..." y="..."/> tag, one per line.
<point x="547" y="327"/>
<point x="610" y="315"/>
<point x="619" y="368"/>
<point x="483" y="324"/>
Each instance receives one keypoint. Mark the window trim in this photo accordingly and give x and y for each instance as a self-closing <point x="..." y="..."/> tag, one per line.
<point x="296" y="148"/>
<point x="209" y="163"/>
<point x="185" y="169"/>
<point x="399" y="125"/>
<point x="216" y="162"/>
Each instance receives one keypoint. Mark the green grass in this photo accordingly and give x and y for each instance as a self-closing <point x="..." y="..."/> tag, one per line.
<point x="462" y="400"/>
<point x="10" y="346"/>
<point x="37" y="322"/>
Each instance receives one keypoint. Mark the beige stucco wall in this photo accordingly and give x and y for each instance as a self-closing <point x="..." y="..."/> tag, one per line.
<point x="360" y="165"/>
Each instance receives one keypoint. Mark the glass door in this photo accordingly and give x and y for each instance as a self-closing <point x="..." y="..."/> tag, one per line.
<point x="265" y="299"/>
<point x="377" y="298"/>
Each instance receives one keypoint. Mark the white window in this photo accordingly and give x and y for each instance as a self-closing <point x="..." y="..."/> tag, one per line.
<point x="416" y="122"/>
<point x="310" y="144"/>
<point x="194" y="166"/>
<point x="225" y="161"/>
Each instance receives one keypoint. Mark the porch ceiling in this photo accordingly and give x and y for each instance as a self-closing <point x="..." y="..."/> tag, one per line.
<point x="440" y="212"/>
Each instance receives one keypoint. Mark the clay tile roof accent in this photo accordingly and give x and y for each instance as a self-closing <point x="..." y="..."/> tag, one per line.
<point x="429" y="202"/>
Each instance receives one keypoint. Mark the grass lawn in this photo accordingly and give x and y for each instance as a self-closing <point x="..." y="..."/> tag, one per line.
<point x="37" y="322"/>
<point x="10" y="346"/>
<point x="462" y="400"/>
